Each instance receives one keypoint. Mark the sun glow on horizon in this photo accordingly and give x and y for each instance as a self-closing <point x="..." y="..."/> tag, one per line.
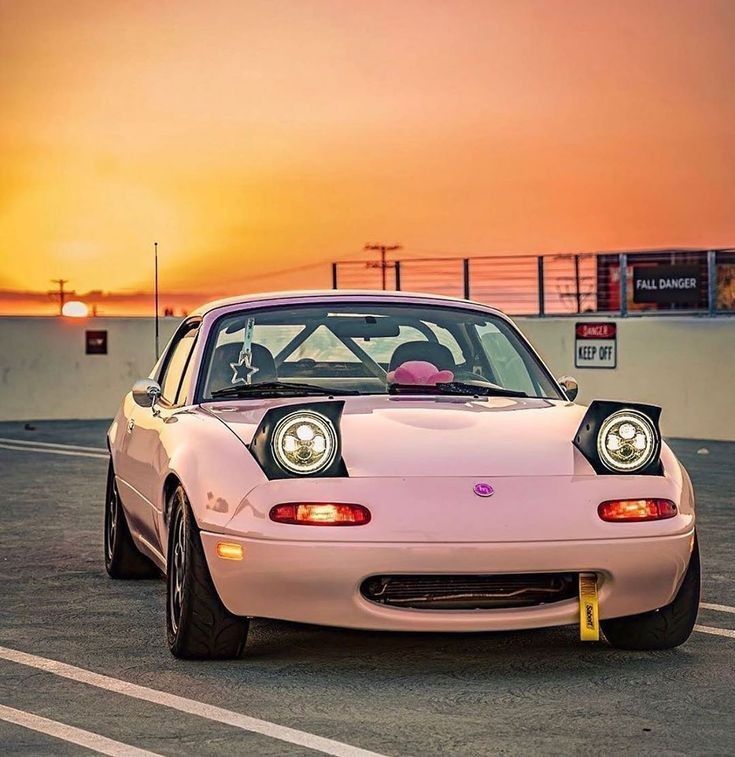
<point x="75" y="309"/>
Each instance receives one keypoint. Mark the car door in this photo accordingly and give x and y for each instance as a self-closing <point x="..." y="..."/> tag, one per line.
<point x="145" y="459"/>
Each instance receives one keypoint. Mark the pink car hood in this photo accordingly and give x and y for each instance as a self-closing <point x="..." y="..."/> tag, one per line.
<point x="401" y="436"/>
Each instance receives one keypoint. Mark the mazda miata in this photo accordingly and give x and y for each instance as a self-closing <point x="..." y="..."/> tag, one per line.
<point x="395" y="462"/>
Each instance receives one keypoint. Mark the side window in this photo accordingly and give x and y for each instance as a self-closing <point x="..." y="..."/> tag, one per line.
<point x="188" y="370"/>
<point x="177" y="363"/>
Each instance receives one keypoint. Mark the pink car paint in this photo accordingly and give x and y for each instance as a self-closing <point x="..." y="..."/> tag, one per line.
<point x="415" y="463"/>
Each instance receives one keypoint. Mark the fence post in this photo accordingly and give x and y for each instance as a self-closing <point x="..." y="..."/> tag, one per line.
<point x="397" y="267"/>
<point x="466" y="278"/>
<point x="712" y="282"/>
<point x="623" y="261"/>
<point x="577" y="284"/>
<point x="334" y="275"/>
<point x="541" y="296"/>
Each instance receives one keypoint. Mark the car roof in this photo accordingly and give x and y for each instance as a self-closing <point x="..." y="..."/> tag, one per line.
<point x="345" y="295"/>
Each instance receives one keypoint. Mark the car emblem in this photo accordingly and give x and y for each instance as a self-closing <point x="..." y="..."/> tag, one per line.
<point x="482" y="489"/>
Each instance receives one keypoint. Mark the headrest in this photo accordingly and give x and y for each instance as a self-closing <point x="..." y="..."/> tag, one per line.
<point x="430" y="352"/>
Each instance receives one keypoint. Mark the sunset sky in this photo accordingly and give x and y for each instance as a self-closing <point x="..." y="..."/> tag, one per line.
<point x="258" y="140"/>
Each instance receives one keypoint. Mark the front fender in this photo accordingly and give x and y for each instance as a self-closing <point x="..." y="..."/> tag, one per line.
<point x="213" y="465"/>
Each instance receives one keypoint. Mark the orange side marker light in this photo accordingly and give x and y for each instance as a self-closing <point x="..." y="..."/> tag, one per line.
<point x="228" y="550"/>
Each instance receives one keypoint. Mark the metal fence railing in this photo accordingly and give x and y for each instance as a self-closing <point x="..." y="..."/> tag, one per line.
<point x="691" y="281"/>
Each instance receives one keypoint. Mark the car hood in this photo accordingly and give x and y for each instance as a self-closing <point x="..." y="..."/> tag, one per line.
<point x="404" y="436"/>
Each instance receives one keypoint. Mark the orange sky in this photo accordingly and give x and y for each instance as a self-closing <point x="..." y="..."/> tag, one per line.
<point x="252" y="137"/>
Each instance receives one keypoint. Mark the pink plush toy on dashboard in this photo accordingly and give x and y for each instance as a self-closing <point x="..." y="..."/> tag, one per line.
<point x="419" y="372"/>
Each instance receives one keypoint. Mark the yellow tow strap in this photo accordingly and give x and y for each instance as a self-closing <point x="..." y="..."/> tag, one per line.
<point x="589" y="612"/>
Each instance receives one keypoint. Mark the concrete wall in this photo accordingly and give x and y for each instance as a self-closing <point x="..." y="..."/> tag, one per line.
<point x="685" y="364"/>
<point x="45" y="373"/>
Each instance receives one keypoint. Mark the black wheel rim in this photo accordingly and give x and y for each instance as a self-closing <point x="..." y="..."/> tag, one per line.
<point x="113" y="506"/>
<point x="177" y="568"/>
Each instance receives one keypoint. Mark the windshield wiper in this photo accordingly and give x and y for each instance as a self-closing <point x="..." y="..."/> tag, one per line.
<point x="455" y="387"/>
<point x="277" y="389"/>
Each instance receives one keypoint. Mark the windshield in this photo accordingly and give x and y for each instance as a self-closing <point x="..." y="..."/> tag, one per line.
<point x="372" y="348"/>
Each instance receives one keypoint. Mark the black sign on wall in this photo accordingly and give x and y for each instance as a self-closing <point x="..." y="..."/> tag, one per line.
<point x="95" y="342"/>
<point x="667" y="284"/>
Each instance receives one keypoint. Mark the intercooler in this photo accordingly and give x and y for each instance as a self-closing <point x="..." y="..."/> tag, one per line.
<point x="470" y="592"/>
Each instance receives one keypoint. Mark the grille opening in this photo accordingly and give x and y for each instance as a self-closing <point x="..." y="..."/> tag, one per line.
<point x="470" y="592"/>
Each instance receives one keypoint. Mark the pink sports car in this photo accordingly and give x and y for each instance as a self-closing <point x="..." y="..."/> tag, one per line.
<point x="395" y="462"/>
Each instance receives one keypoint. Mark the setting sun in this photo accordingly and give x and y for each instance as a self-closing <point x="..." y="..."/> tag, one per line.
<point x="75" y="309"/>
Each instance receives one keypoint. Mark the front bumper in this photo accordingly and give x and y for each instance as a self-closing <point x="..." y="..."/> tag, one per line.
<point x="319" y="582"/>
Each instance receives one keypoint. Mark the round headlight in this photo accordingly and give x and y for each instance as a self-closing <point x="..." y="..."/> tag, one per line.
<point x="304" y="442"/>
<point x="627" y="441"/>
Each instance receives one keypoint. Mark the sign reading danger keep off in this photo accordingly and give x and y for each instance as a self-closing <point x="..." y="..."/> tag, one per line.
<point x="596" y="345"/>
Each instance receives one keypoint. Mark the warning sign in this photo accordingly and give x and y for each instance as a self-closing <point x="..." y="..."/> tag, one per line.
<point x="595" y="345"/>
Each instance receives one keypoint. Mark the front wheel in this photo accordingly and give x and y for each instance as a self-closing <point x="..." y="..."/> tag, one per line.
<point x="198" y="625"/>
<point x="122" y="558"/>
<point x="665" y="628"/>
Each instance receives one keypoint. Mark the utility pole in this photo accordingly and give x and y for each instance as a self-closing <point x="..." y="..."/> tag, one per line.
<point x="61" y="293"/>
<point x="384" y="265"/>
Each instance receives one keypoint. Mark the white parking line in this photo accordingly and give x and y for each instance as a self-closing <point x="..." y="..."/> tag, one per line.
<point x="190" y="706"/>
<point x="34" y="443"/>
<point x="53" y="451"/>
<point x="78" y="736"/>
<point x="719" y="608"/>
<point x="716" y="631"/>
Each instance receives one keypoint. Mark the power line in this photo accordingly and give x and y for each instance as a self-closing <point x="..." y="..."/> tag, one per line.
<point x="384" y="265"/>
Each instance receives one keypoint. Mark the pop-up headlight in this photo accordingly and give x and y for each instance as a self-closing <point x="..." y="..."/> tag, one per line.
<point x="626" y="441"/>
<point x="300" y="440"/>
<point x="620" y="437"/>
<point x="304" y="442"/>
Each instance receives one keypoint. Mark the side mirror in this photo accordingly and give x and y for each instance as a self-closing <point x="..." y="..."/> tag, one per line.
<point x="570" y="387"/>
<point x="146" y="392"/>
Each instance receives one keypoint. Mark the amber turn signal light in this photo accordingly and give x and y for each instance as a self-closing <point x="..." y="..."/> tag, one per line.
<point x="636" y="510"/>
<point x="320" y="514"/>
<point x="228" y="550"/>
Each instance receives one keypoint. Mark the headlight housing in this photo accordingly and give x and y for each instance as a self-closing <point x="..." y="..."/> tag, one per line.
<point x="627" y="441"/>
<point x="304" y="442"/>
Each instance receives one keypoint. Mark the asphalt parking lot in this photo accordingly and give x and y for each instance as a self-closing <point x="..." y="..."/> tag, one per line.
<point x="340" y="691"/>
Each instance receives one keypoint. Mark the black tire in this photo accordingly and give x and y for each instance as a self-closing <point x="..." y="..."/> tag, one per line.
<point x="665" y="628"/>
<point x="198" y="625"/>
<point x="122" y="558"/>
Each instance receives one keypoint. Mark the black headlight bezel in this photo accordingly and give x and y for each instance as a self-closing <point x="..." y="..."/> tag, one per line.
<point x="261" y="447"/>
<point x="585" y="439"/>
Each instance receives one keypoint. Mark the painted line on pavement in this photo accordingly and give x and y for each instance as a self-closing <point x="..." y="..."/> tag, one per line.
<point x="34" y="443"/>
<point x="719" y="608"/>
<point x="189" y="706"/>
<point x="70" y="733"/>
<point x="716" y="631"/>
<point x="49" y="450"/>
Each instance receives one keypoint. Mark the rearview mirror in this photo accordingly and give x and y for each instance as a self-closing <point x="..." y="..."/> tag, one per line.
<point x="570" y="386"/>
<point x="366" y="327"/>
<point x="146" y="392"/>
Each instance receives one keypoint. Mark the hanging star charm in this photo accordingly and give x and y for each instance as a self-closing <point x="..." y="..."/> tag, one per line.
<point x="243" y="371"/>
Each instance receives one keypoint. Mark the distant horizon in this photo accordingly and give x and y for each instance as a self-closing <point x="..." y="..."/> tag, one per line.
<point x="259" y="143"/>
<point x="181" y="302"/>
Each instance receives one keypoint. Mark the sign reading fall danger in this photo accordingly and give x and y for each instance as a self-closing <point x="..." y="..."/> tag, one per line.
<point x="595" y="345"/>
